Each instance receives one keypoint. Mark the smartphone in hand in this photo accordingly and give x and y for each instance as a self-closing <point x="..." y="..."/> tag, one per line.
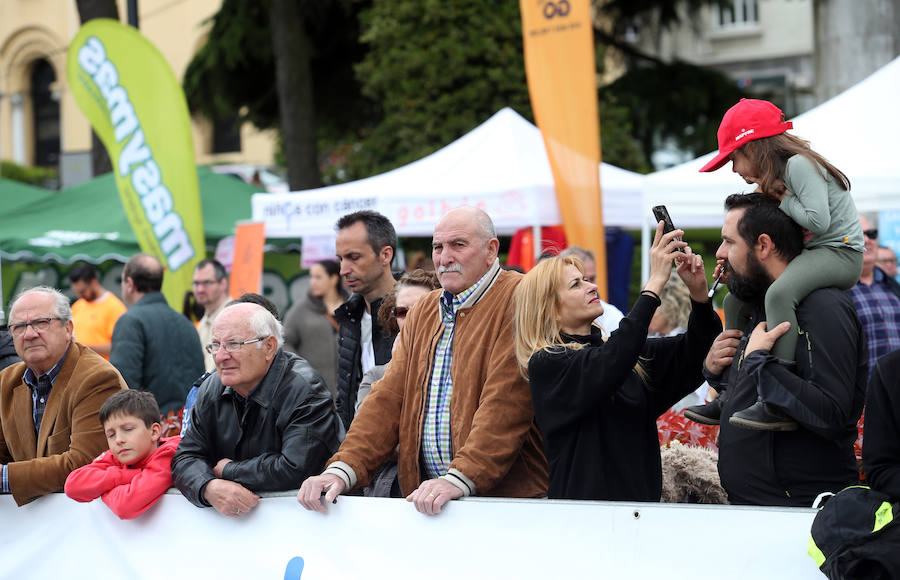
<point x="662" y="215"/>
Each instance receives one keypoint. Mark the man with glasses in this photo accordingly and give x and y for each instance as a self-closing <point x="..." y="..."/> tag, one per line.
<point x="211" y="291"/>
<point x="155" y="348"/>
<point x="877" y="300"/>
<point x="49" y="401"/>
<point x="264" y="421"/>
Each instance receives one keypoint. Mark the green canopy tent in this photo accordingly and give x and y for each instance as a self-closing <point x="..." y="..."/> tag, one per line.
<point x="14" y="195"/>
<point x="87" y="222"/>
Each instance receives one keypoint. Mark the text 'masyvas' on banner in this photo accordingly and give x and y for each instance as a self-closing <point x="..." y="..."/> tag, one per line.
<point x="130" y="95"/>
<point x="559" y="63"/>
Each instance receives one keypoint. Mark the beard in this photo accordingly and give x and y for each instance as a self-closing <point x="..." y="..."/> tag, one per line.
<point x="751" y="286"/>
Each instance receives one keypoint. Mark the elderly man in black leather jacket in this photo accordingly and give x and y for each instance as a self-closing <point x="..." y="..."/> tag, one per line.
<point x="264" y="421"/>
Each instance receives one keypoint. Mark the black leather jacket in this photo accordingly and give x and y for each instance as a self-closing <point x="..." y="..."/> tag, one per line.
<point x="349" y="317"/>
<point x="8" y="354"/>
<point x="282" y="434"/>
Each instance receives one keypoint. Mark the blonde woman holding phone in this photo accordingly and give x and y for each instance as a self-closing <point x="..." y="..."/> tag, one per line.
<point x="596" y="402"/>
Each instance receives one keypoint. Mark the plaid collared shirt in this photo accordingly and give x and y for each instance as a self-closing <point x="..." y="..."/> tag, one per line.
<point x="40" y="394"/>
<point x="437" y="446"/>
<point x="879" y="310"/>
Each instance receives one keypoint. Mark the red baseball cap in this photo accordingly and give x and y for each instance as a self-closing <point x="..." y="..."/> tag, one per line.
<point x="748" y="120"/>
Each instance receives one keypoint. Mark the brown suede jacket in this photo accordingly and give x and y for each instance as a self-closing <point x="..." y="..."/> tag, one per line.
<point x="71" y="434"/>
<point x="496" y="444"/>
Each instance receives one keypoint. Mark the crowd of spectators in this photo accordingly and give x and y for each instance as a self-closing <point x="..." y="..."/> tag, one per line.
<point x="471" y="380"/>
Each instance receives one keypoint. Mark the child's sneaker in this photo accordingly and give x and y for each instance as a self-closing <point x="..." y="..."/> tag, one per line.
<point x="708" y="414"/>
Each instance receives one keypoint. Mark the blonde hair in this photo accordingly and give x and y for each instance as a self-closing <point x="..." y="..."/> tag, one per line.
<point x="537" y="312"/>
<point x="675" y="301"/>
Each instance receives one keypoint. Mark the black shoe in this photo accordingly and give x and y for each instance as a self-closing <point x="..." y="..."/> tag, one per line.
<point x="707" y="414"/>
<point x="763" y="416"/>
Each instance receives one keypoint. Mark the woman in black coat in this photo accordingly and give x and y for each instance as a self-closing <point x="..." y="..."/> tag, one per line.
<point x="595" y="402"/>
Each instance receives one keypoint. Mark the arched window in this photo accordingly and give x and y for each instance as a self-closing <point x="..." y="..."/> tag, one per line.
<point x="45" y="107"/>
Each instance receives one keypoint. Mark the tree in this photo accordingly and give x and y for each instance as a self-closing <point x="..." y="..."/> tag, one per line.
<point x="292" y="48"/>
<point x="283" y="64"/>
<point x="693" y="101"/>
<point x="437" y="69"/>
<point x="235" y="69"/>
<point x="426" y="72"/>
<point x="664" y="100"/>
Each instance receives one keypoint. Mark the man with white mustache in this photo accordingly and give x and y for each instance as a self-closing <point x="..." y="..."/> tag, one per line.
<point x="451" y="268"/>
<point x="452" y="397"/>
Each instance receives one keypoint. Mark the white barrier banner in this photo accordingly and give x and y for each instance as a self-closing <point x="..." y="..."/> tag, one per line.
<point x="370" y="538"/>
<point x="293" y="215"/>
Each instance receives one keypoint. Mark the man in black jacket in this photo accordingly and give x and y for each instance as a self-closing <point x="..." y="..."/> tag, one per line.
<point x="155" y="348"/>
<point x="881" y="448"/>
<point x="366" y="243"/>
<point x="264" y="421"/>
<point x="824" y="393"/>
<point x="8" y="354"/>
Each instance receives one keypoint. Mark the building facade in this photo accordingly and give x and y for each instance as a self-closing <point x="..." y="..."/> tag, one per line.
<point x="798" y="53"/>
<point x="766" y="46"/>
<point x="40" y="123"/>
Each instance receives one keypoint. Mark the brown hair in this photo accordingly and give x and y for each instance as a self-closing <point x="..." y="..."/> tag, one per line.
<point x="418" y="277"/>
<point x="769" y="156"/>
<point x="140" y="404"/>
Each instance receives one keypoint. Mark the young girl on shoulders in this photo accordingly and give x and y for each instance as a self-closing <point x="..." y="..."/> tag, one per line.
<point x="815" y="194"/>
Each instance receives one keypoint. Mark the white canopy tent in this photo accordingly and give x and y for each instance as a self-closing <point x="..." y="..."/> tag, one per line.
<point x="500" y="166"/>
<point x="854" y="130"/>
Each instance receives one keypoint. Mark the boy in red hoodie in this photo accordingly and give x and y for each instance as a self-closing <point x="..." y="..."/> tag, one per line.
<point x="136" y="470"/>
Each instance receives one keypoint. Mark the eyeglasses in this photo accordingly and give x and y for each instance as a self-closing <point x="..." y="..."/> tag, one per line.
<point x="196" y="283"/>
<point x="231" y="345"/>
<point x="872" y="234"/>
<point x="399" y="311"/>
<point x="17" y="329"/>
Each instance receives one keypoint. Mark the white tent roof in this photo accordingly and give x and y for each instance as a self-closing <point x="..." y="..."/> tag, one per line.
<point x="501" y="165"/>
<point x="854" y="130"/>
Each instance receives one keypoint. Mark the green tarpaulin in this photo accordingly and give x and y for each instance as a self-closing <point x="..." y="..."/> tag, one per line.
<point x="87" y="222"/>
<point x="14" y="195"/>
